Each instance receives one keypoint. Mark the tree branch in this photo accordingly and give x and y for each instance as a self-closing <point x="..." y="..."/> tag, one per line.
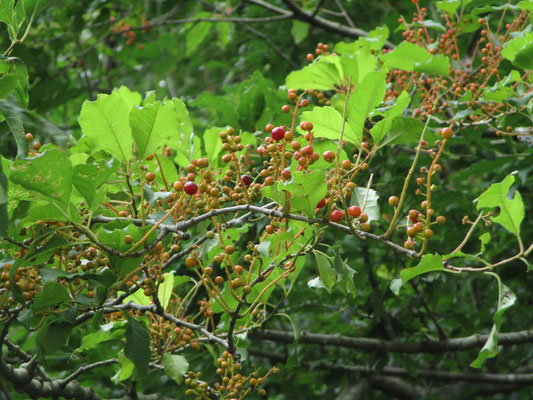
<point x="331" y="26"/>
<point x="394" y="346"/>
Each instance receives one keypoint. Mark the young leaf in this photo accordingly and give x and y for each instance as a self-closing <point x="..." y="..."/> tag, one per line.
<point x="379" y="130"/>
<point x="175" y="366"/>
<point x="327" y="123"/>
<point x="511" y="210"/>
<point x="430" y="262"/>
<point x="93" y="340"/>
<point x="520" y="51"/>
<point x="371" y="206"/>
<point x="490" y="349"/>
<point x="325" y="269"/>
<point x="105" y="120"/>
<point x="213" y="145"/>
<point x="365" y="98"/>
<point x="130" y="98"/>
<point x="406" y="131"/>
<point x="307" y="190"/>
<point x="164" y="292"/>
<point x="411" y="57"/>
<point x="345" y="276"/>
<point x="126" y="366"/>
<point x="299" y="30"/>
<point x="319" y="75"/>
<point x="152" y="126"/>
<point x="197" y="33"/>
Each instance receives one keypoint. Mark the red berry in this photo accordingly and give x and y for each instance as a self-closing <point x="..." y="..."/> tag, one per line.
<point x="286" y="108"/>
<point x="190" y="188"/>
<point x="329" y="156"/>
<point x="308" y="150"/>
<point x="278" y="133"/>
<point x="246" y="180"/>
<point x="286" y="174"/>
<point x="413" y="216"/>
<point x="321" y="203"/>
<point x="354" y="211"/>
<point x="336" y="215"/>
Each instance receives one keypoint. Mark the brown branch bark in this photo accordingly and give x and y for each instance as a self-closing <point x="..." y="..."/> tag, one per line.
<point x="394" y="346"/>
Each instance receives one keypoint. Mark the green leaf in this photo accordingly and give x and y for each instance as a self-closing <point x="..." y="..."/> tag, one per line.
<point x="526" y="5"/>
<point x="103" y="276"/>
<point x="213" y="145"/>
<point x="379" y="130"/>
<point x="175" y="366"/>
<point x="197" y="34"/>
<point x="13" y="118"/>
<point x="411" y="57"/>
<point x="53" y="334"/>
<point x="406" y="131"/>
<point x="105" y="121"/>
<point x="222" y="108"/>
<point x="485" y="239"/>
<point x="4" y="218"/>
<point x="93" y="340"/>
<point x="450" y="6"/>
<point x="130" y="98"/>
<point x="299" y="30"/>
<point x="511" y="209"/>
<point x="490" y="349"/>
<point x="371" y="207"/>
<point x="49" y="174"/>
<point x="307" y="190"/>
<point x="16" y="68"/>
<point x="88" y="179"/>
<point x="126" y="366"/>
<point x="345" y="277"/>
<point x="152" y="126"/>
<point x="430" y="262"/>
<point x="224" y="33"/>
<point x="164" y="292"/>
<point x="52" y="294"/>
<point x="520" y="51"/>
<point x="6" y="11"/>
<point x="327" y="123"/>
<point x="138" y="297"/>
<point x="325" y="269"/>
<point x="319" y="75"/>
<point x="350" y="67"/>
<point x="33" y="7"/>
<point x="361" y="51"/>
<point x="253" y="96"/>
<point x="365" y="98"/>
<point x="137" y="347"/>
